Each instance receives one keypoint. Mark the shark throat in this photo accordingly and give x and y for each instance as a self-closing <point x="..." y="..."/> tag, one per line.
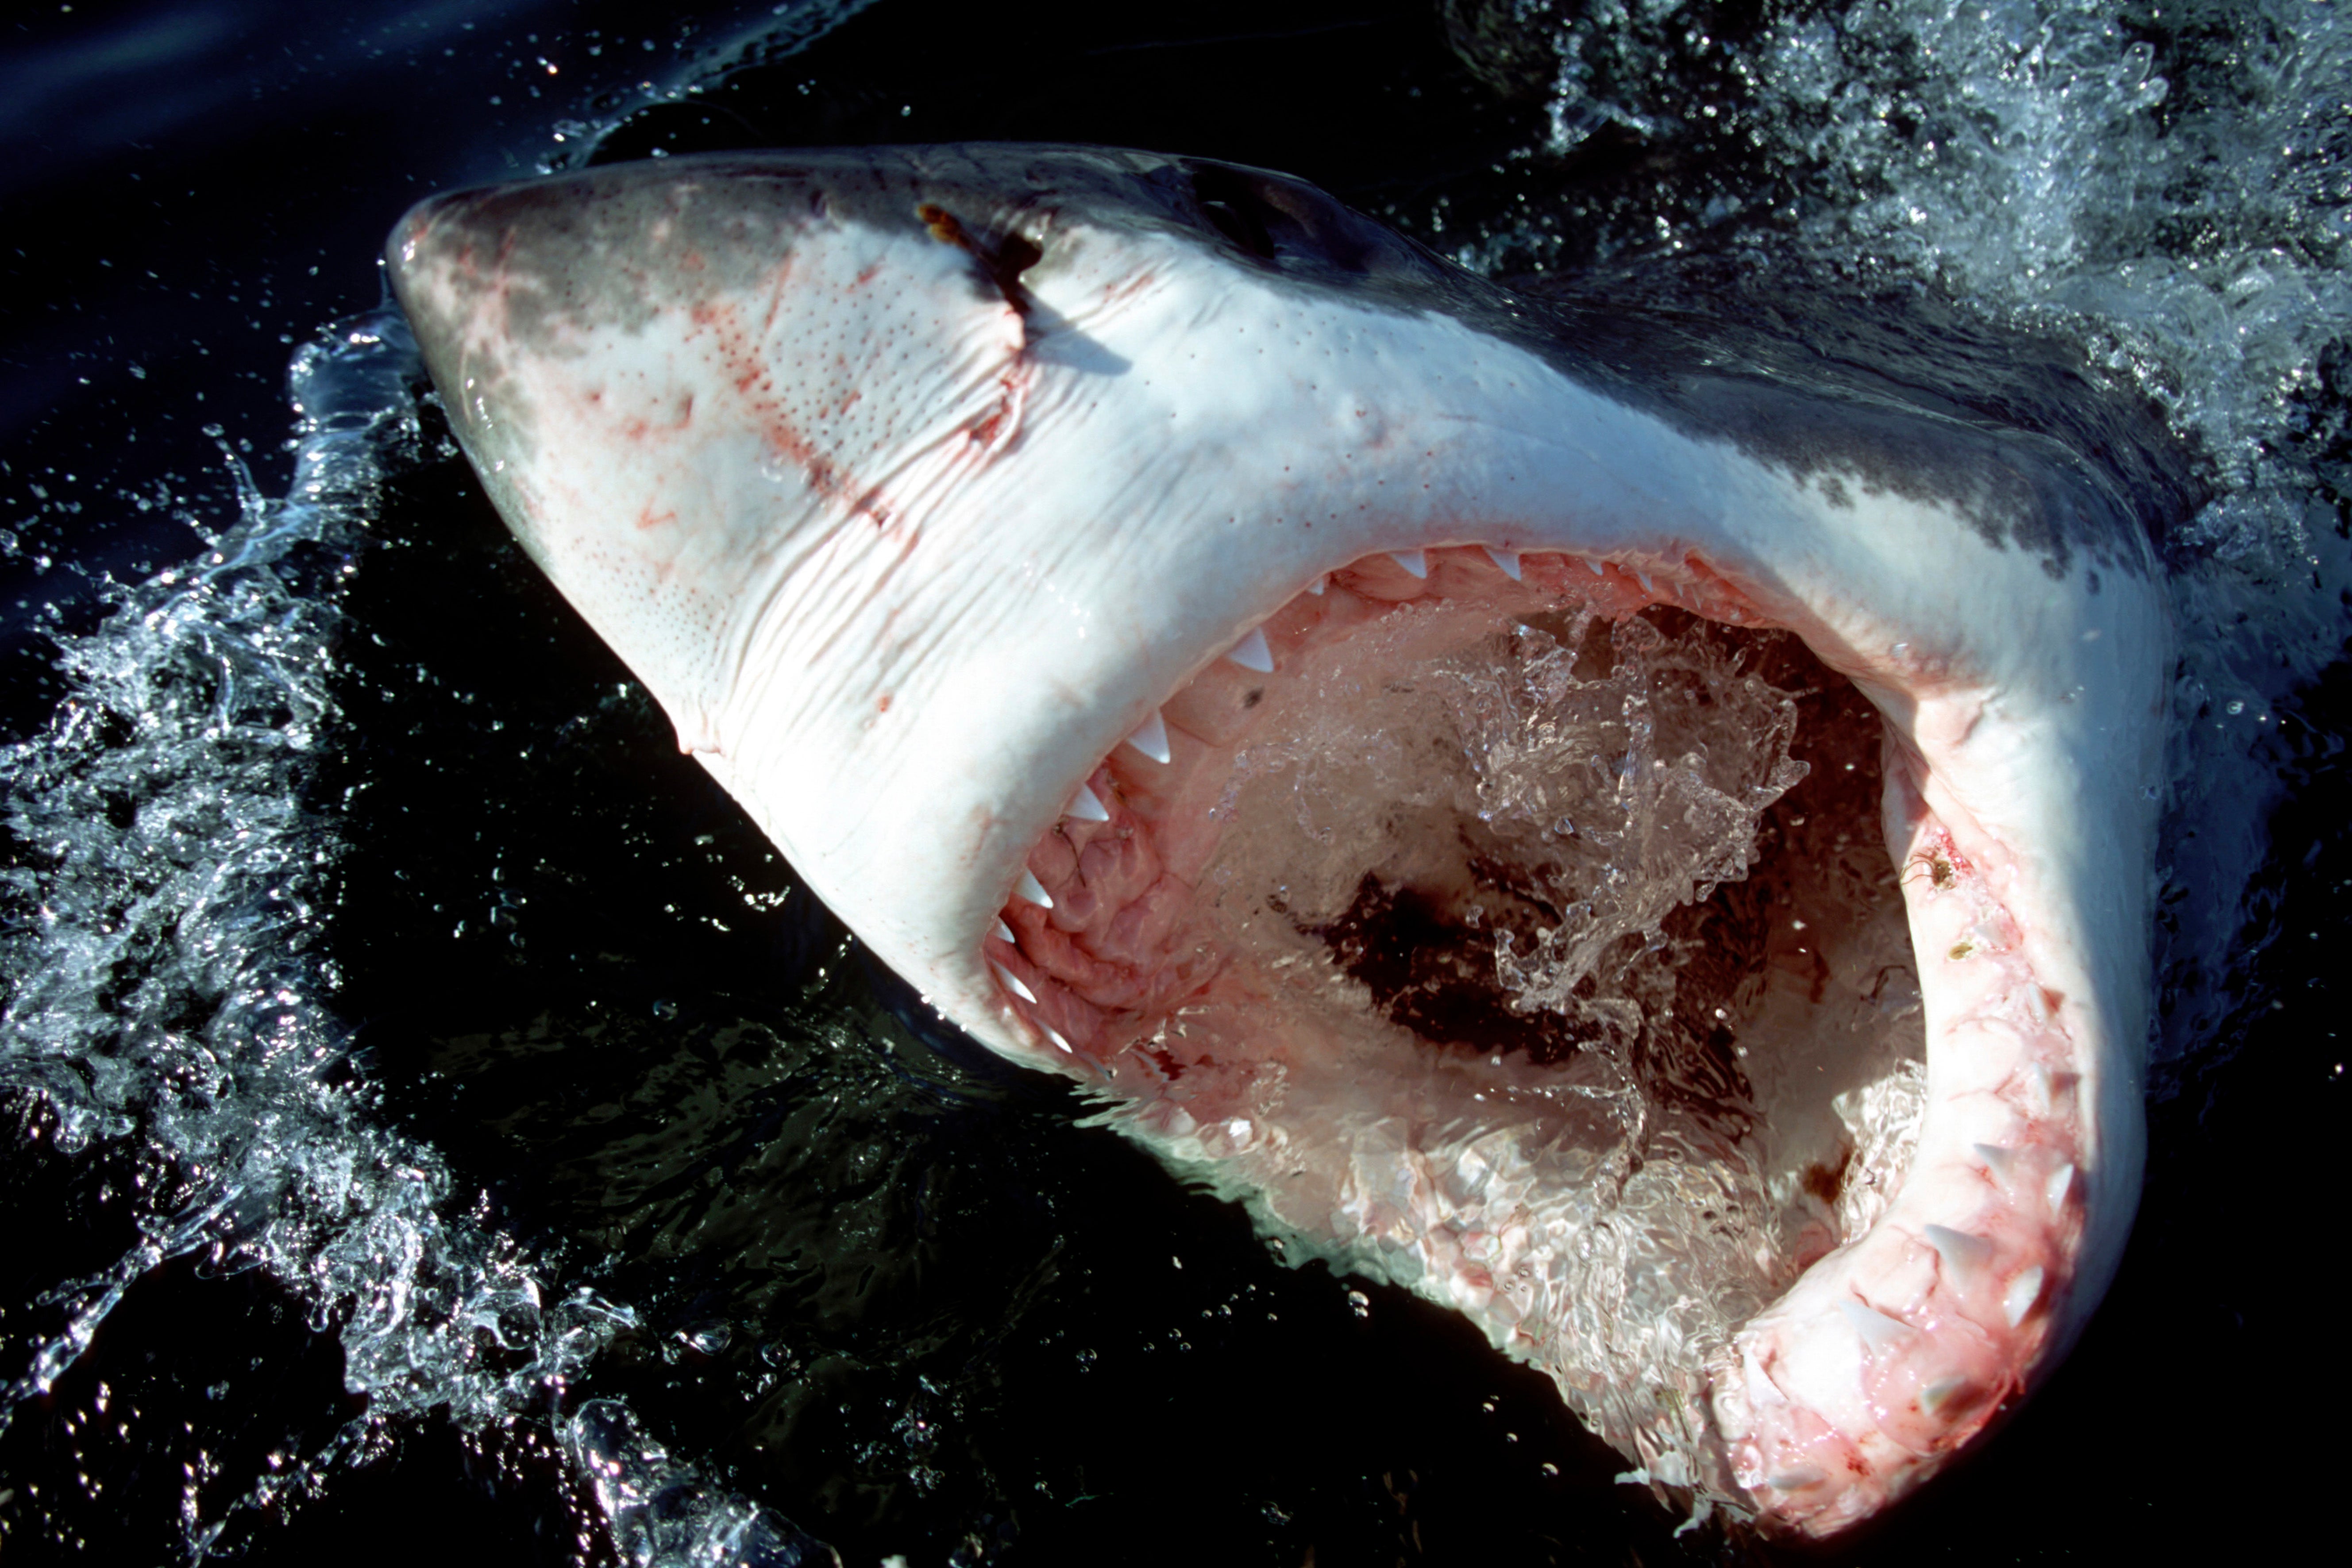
<point x="1500" y="925"/>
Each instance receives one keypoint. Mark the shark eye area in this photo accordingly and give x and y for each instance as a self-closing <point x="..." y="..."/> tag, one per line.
<point x="1229" y="202"/>
<point x="1284" y="223"/>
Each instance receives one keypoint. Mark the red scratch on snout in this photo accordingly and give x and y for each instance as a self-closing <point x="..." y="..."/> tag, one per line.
<point x="996" y="429"/>
<point x="1114" y="292"/>
<point x="649" y="518"/>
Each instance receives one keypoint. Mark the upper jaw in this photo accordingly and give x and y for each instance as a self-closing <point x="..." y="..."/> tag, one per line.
<point x="907" y="546"/>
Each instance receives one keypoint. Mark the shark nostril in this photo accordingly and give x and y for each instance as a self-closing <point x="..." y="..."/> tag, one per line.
<point x="1015" y="255"/>
<point x="1003" y="259"/>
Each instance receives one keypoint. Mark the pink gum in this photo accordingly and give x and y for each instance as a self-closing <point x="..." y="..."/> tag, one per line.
<point x="1891" y="1352"/>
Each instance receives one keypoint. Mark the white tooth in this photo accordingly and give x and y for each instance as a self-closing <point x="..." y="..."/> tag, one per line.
<point x="1762" y="1392"/>
<point x="1966" y="1253"/>
<point x="2061" y="1188"/>
<point x="1029" y="888"/>
<point x="1003" y="931"/>
<point x="1012" y="983"/>
<point x="1793" y="1480"/>
<point x="2023" y="1291"/>
<point x="1644" y="578"/>
<point x="1997" y="1160"/>
<point x="1506" y="560"/>
<point x="1940" y="1392"/>
<point x="1150" y="738"/>
<point x="1086" y="806"/>
<point x="1598" y="569"/>
<point x="1412" y="561"/>
<point x="1055" y="1035"/>
<point x="1251" y="653"/>
<point x="1317" y="587"/>
<point x="1877" y="1330"/>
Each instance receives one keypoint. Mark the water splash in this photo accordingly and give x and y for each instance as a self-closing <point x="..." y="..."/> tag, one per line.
<point x="164" y="941"/>
<point x="2168" y="192"/>
<point x="663" y="1513"/>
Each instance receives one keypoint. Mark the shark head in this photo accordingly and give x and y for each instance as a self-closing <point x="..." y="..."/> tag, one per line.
<point x="1219" y="651"/>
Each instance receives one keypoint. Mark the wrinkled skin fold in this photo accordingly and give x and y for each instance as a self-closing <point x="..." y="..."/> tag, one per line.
<point x="974" y="511"/>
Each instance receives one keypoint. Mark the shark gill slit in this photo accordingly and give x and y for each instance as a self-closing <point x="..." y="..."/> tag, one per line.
<point x="1942" y="1283"/>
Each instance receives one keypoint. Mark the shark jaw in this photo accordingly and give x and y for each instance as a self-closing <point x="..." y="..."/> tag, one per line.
<point x="1013" y="530"/>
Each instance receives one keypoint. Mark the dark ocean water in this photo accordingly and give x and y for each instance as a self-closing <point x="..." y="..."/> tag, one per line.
<point x="521" y="1039"/>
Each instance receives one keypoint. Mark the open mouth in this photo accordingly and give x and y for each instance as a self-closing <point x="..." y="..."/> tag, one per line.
<point x="1524" y="929"/>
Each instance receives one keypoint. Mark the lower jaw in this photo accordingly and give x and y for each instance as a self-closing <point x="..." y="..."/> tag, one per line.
<point x="1658" y="1143"/>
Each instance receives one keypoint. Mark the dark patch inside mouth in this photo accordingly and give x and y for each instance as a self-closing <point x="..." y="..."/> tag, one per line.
<point x="1430" y="972"/>
<point x="1427" y="959"/>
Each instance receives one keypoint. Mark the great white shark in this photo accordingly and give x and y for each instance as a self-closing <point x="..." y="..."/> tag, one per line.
<point x="1042" y="544"/>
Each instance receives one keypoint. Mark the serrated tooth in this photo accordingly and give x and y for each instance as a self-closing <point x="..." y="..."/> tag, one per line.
<point x="1643" y="579"/>
<point x="1003" y="931"/>
<point x="1966" y="1253"/>
<point x="1060" y="1043"/>
<point x="1317" y="587"/>
<point x="1598" y="569"/>
<point x="1031" y="888"/>
<point x="1877" y="1330"/>
<point x="1150" y="738"/>
<point x="1251" y="652"/>
<point x="2061" y="1187"/>
<point x="1414" y="561"/>
<point x="1013" y="983"/>
<point x="1506" y="560"/>
<point x="2022" y="1292"/>
<point x="1086" y="806"/>
<point x="2001" y="1161"/>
